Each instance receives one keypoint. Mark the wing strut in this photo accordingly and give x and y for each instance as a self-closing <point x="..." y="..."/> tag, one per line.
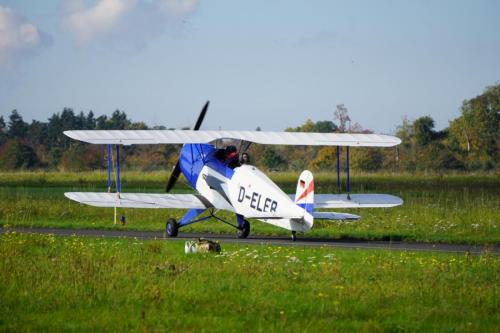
<point x="118" y="182"/>
<point x="347" y="174"/>
<point x="109" y="167"/>
<point x="348" y="178"/>
<point x="116" y="164"/>
<point x="117" y="175"/>
<point x="337" y="152"/>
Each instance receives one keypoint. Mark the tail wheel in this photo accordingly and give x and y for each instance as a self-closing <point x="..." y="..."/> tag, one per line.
<point x="172" y="228"/>
<point x="244" y="230"/>
<point x="294" y="236"/>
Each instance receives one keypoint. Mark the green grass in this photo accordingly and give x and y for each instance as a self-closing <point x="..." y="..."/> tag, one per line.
<point x="324" y="181"/>
<point x="454" y="208"/>
<point x="95" y="284"/>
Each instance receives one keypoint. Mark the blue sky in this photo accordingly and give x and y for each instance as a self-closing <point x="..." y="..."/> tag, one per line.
<point x="270" y="63"/>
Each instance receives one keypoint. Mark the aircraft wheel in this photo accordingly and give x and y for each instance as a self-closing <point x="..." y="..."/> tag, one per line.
<point x="294" y="236"/>
<point x="172" y="228"/>
<point x="244" y="230"/>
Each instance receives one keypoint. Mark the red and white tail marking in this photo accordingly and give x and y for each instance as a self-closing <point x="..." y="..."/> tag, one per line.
<point x="305" y="188"/>
<point x="304" y="196"/>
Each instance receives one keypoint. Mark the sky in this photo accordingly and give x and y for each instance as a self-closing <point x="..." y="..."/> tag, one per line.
<point x="270" y="63"/>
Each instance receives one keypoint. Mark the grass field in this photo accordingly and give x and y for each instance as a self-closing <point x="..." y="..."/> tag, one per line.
<point x="95" y="284"/>
<point x="454" y="208"/>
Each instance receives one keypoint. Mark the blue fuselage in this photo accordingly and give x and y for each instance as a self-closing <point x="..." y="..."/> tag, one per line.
<point x="195" y="156"/>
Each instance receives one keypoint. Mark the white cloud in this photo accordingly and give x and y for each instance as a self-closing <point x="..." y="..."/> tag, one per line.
<point x="129" y="21"/>
<point x="18" y="37"/>
<point x="88" y="22"/>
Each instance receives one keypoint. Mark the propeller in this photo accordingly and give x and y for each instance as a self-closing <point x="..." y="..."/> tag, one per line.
<point x="177" y="169"/>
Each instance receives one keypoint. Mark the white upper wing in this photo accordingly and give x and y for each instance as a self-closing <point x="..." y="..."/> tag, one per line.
<point x="140" y="200"/>
<point x="130" y="137"/>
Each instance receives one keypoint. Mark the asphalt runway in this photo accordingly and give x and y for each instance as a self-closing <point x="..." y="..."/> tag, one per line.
<point x="281" y="241"/>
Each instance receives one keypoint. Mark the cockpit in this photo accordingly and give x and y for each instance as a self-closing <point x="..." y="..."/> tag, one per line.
<point x="230" y="157"/>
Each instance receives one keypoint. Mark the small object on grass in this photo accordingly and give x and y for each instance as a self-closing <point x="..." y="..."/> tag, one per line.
<point x="202" y="246"/>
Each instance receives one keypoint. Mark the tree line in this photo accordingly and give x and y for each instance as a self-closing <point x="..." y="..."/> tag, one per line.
<point x="471" y="142"/>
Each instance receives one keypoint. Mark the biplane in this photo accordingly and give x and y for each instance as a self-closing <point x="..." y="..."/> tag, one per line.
<point x="242" y="189"/>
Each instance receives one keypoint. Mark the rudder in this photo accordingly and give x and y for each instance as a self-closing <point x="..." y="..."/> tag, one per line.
<point x="304" y="195"/>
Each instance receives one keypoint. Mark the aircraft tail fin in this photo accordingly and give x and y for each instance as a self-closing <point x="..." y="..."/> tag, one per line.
<point x="304" y="196"/>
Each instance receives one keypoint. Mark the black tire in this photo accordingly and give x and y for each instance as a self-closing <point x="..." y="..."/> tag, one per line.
<point x="244" y="230"/>
<point x="294" y="236"/>
<point x="172" y="228"/>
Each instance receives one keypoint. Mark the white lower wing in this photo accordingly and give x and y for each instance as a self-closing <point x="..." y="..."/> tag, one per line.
<point x="140" y="200"/>
<point x="355" y="201"/>
<point x="335" y="216"/>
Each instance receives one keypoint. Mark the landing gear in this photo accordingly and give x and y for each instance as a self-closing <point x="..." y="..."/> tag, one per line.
<point x="294" y="235"/>
<point x="244" y="230"/>
<point x="172" y="228"/>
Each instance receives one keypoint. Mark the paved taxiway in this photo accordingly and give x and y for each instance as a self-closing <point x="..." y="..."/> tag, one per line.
<point x="274" y="240"/>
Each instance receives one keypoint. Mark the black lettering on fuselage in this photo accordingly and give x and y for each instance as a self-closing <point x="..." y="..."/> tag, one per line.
<point x="241" y="195"/>
<point x="274" y="205"/>
<point x="267" y="204"/>
<point x="254" y="199"/>
<point x="257" y="202"/>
